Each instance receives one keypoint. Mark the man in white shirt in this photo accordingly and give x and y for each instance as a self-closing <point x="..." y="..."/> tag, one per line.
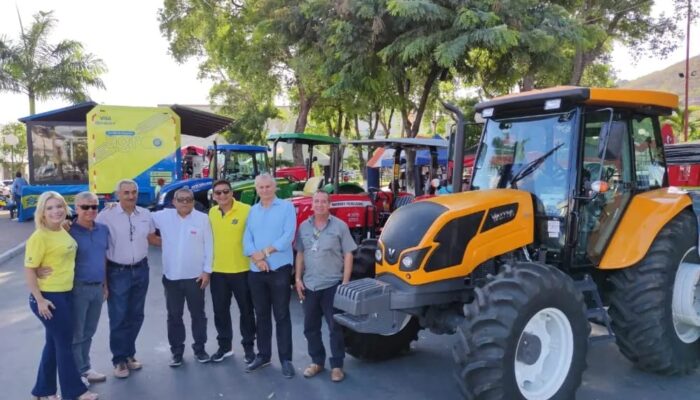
<point x="187" y="248"/>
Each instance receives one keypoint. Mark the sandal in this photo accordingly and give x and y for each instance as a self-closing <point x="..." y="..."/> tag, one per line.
<point x="89" y="396"/>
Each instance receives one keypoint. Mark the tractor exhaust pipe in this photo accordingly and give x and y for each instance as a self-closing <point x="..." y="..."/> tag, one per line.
<point x="458" y="156"/>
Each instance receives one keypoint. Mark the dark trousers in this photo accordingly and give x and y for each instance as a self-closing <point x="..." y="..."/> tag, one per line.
<point x="222" y="285"/>
<point x="318" y="305"/>
<point x="58" y="353"/>
<point x="271" y="292"/>
<point x="177" y="292"/>
<point x="126" y="301"/>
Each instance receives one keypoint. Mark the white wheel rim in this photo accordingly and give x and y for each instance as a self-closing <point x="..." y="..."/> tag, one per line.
<point x="686" y="299"/>
<point x="542" y="378"/>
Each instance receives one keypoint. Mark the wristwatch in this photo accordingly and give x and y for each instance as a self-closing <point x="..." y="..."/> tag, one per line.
<point x="267" y="253"/>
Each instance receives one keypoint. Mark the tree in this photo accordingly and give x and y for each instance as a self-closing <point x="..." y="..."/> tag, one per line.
<point x="269" y="47"/>
<point x="677" y="121"/>
<point x="13" y="151"/>
<point x="41" y="70"/>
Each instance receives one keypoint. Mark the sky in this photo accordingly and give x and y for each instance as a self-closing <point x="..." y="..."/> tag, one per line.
<point x="125" y="35"/>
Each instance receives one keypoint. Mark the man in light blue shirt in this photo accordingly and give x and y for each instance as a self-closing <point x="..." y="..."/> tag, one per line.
<point x="268" y="242"/>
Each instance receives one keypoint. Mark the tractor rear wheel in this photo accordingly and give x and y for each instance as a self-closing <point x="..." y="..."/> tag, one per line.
<point x="646" y="318"/>
<point x="525" y="336"/>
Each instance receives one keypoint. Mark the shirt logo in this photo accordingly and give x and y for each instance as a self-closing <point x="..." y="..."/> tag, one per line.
<point x="193" y="232"/>
<point x="234" y="221"/>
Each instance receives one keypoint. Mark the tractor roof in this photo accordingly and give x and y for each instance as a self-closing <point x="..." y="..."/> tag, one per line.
<point x="303" y="138"/>
<point x="243" y="148"/>
<point x="405" y="143"/>
<point x="653" y="101"/>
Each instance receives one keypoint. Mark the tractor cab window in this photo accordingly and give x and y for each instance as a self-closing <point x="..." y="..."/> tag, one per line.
<point x="648" y="154"/>
<point x="607" y="158"/>
<point x="238" y="166"/>
<point x="530" y="154"/>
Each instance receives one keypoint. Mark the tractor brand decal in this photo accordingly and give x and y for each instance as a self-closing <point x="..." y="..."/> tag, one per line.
<point x="498" y="216"/>
<point x="350" y="203"/>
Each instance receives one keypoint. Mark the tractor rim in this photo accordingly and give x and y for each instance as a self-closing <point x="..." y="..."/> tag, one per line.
<point x="544" y="354"/>
<point x="686" y="332"/>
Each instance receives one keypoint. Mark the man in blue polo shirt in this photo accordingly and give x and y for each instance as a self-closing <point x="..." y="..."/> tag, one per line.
<point x="89" y="288"/>
<point x="267" y="240"/>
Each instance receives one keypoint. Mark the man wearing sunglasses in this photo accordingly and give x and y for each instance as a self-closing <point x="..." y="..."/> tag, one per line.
<point x="186" y="242"/>
<point x="89" y="286"/>
<point x="230" y="273"/>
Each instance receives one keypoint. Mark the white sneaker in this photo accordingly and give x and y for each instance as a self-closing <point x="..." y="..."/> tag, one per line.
<point x="94" y="376"/>
<point x="85" y="380"/>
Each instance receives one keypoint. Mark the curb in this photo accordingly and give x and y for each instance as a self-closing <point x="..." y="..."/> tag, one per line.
<point x="9" y="254"/>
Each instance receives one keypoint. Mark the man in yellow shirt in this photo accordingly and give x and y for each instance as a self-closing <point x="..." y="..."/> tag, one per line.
<point x="230" y="273"/>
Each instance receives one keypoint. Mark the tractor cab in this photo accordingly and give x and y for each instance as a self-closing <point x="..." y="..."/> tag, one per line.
<point x="312" y="177"/>
<point x="386" y="201"/>
<point x="236" y="163"/>
<point x="581" y="153"/>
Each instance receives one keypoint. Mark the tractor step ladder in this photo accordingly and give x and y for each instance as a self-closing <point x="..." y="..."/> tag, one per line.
<point x="595" y="312"/>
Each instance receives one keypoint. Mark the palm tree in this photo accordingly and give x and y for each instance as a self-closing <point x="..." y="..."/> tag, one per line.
<point x="677" y="122"/>
<point x="42" y="70"/>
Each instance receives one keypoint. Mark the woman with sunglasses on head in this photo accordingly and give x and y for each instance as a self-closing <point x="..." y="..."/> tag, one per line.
<point x="51" y="299"/>
<point x="89" y="284"/>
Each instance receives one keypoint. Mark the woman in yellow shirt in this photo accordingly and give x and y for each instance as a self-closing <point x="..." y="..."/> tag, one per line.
<point x="51" y="299"/>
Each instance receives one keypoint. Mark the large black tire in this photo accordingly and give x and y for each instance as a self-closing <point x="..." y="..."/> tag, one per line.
<point x="485" y="351"/>
<point x="372" y="347"/>
<point x="642" y="297"/>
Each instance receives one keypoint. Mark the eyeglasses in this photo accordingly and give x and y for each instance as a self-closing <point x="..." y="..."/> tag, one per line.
<point x="220" y="192"/>
<point x="184" y="200"/>
<point x="86" y="207"/>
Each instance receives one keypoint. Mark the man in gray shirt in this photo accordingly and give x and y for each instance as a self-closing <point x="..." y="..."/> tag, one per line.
<point x="324" y="248"/>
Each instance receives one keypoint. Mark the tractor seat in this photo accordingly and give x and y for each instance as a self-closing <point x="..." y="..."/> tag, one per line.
<point x="310" y="187"/>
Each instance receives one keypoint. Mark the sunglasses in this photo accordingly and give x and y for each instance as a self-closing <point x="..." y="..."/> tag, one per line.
<point x="220" y="192"/>
<point x="185" y="200"/>
<point x="86" y="207"/>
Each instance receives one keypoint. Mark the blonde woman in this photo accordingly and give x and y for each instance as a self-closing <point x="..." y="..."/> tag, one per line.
<point x="51" y="299"/>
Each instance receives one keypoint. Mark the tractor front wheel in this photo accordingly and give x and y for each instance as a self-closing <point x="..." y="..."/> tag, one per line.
<point x="525" y="336"/>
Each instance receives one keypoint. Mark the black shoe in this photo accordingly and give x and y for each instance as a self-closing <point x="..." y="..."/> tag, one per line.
<point x="176" y="360"/>
<point x="249" y="358"/>
<point x="258" y="363"/>
<point x="287" y="369"/>
<point x="202" y="357"/>
<point x="221" y="354"/>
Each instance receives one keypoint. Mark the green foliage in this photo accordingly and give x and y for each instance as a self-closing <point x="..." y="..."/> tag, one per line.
<point x="677" y="122"/>
<point x="13" y="155"/>
<point x="42" y="70"/>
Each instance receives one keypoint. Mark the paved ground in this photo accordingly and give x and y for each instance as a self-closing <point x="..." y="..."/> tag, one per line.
<point x="12" y="233"/>
<point x="424" y="373"/>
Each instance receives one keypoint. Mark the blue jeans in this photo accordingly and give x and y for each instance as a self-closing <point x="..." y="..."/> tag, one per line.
<point x="318" y="305"/>
<point x="87" y="307"/>
<point x="57" y="352"/>
<point x="125" y="304"/>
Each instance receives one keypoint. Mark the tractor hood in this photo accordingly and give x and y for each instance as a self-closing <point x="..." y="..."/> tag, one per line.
<point x="448" y="236"/>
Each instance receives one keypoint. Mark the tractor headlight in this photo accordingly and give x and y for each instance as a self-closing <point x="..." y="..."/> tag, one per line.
<point x="378" y="255"/>
<point x="412" y="260"/>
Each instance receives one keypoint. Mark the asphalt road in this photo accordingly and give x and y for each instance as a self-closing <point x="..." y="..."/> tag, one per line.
<point x="424" y="373"/>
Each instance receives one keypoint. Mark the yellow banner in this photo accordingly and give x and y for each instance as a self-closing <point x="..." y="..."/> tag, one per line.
<point x="125" y="142"/>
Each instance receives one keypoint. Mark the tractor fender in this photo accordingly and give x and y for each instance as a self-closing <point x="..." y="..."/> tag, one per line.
<point x="644" y="218"/>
